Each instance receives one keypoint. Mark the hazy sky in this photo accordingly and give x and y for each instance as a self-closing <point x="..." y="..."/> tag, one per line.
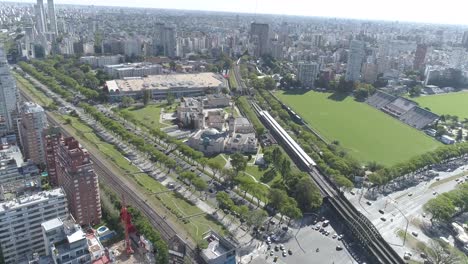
<point x="446" y="11"/>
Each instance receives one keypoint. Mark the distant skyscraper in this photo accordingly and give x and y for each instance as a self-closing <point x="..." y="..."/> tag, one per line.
<point x="369" y="72"/>
<point x="169" y="42"/>
<point x="355" y="58"/>
<point x="41" y="25"/>
<point x="51" y="16"/>
<point x="8" y="97"/>
<point x="307" y="73"/>
<point x="259" y="36"/>
<point x="465" y="40"/>
<point x="420" y="57"/>
<point x="75" y="174"/>
<point x="32" y="123"/>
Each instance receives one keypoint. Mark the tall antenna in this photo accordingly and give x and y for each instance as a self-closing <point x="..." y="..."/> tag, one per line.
<point x="126" y="218"/>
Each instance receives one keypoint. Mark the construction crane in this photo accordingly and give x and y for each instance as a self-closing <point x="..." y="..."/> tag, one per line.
<point x="126" y="219"/>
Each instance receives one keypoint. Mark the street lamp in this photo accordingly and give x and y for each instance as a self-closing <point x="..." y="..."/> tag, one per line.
<point x="407" y="221"/>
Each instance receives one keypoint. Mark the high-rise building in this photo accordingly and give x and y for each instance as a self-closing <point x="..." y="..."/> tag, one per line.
<point x="420" y="57"/>
<point x="66" y="242"/>
<point x="259" y="37"/>
<point x="8" y="97"/>
<point x="369" y="72"/>
<point x="20" y="223"/>
<point x="76" y="175"/>
<point x="51" y="141"/>
<point x="465" y="40"/>
<point x="17" y="176"/>
<point x="41" y="25"/>
<point x="169" y="42"/>
<point x="355" y="58"/>
<point x="307" y="73"/>
<point x="31" y="126"/>
<point x="51" y="16"/>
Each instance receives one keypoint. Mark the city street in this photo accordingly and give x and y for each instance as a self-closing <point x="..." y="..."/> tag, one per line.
<point x="405" y="208"/>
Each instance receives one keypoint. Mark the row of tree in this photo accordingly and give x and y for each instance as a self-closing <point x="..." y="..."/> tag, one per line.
<point x="138" y="142"/>
<point x="445" y="206"/>
<point x="445" y="152"/>
<point x="253" y="218"/>
<point x="298" y="185"/>
<point x="64" y="78"/>
<point x="331" y="159"/>
<point x="48" y="81"/>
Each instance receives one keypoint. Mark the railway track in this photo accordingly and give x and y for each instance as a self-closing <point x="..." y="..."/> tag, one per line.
<point x="119" y="186"/>
<point x="358" y="224"/>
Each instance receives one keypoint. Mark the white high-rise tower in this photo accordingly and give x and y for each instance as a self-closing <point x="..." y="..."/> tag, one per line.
<point x="52" y="17"/>
<point x="41" y="25"/>
<point x="355" y="58"/>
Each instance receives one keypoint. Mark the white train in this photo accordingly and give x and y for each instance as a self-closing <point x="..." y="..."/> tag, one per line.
<point x="291" y="143"/>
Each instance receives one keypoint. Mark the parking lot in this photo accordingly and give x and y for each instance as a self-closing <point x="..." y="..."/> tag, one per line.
<point x="312" y="243"/>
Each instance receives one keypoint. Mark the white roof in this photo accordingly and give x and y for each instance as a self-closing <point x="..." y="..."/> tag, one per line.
<point x="52" y="224"/>
<point x="76" y="236"/>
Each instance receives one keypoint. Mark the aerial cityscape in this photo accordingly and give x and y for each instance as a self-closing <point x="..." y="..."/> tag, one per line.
<point x="179" y="133"/>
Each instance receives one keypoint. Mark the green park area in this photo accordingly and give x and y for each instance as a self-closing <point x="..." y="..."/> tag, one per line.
<point x="174" y="206"/>
<point x="446" y="104"/>
<point x="366" y="133"/>
<point x="148" y="116"/>
<point x="26" y="85"/>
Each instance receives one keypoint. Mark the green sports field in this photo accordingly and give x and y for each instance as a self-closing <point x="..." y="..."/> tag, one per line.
<point x="367" y="133"/>
<point x="443" y="104"/>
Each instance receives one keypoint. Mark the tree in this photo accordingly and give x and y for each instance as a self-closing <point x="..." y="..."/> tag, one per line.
<point x="215" y="166"/>
<point x="269" y="83"/>
<point x="276" y="155"/>
<point x="238" y="162"/>
<point x="172" y="65"/>
<point x="224" y="201"/>
<point x="292" y="211"/>
<point x="146" y="97"/>
<point x="277" y="198"/>
<point x="441" y="208"/>
<point x="170" y="98"/>
<point x="460" y="134"/>
<point x="200" y="185"/>
<point x="361" y="94"/>
<point x="437" y="254"/>
<point x="307" y="195"/>
<point x="415" y="91"/>
<point x="127" y="101"/>
<point x="256" y="217"/>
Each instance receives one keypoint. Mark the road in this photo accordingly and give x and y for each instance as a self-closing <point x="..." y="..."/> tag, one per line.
<point x="404" y="208"/>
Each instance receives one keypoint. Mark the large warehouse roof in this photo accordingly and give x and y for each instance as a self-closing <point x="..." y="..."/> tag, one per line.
<point x="166" y="81"/>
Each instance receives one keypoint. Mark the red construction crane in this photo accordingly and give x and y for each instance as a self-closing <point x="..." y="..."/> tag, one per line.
<point x="126" y="219"/>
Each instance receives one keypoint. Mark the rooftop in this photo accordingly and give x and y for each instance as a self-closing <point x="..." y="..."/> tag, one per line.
<point x="217" y="246"/>
<point x="166" y="81"/>
<point x="31" y="199"/>
<point x="30" y="107"/>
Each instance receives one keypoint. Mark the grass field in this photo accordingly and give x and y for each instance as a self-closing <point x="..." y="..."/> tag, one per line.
<point x="149" y="115"/>
<point x="26" y="85"/>
<point x="368" y="134"/>
<point x="443" y="104"/>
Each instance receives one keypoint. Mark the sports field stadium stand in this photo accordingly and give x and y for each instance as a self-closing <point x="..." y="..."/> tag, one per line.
<point x="380" y="99"/>
<point x="418" y="118"/>
<point x="398" y="107"/>
<point x="406" y="110"/>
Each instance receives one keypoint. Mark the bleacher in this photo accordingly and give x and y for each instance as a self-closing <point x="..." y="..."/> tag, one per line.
<point x="418" y="117"/>
<point x="398" y="107"/>
<point x="404" y="109"/>
<point x="380" y="99"/>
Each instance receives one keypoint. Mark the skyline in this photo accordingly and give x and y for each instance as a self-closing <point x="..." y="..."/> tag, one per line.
<point x="414" y="11"/>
